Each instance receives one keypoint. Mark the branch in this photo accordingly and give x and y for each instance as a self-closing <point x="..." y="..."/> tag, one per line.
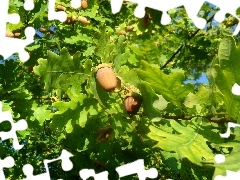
<point x="179" y="49"/>
<point x="211" y="119"/>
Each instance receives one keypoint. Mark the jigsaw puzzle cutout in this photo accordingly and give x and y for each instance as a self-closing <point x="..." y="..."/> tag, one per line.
<point x="66" y="166"/>
<point x="137" y="167"/>
<point x="236" y="89"/>
<point x="18" y="126"/>
<point x="87" y="173"/>
<point x="61" y="15"/>
<point x="192" y="8"/>
<point x="7" y="162"/>
<point x="28" y="5"/>
<point x="8" y="45"/>
<point x="219" y="158"/>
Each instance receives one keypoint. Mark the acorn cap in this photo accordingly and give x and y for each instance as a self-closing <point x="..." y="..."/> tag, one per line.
<point x="102" y="66"/>
<point x="119" y="84"/>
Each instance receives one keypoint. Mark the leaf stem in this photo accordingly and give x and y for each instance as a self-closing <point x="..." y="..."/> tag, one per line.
<point x="212" y="119"/>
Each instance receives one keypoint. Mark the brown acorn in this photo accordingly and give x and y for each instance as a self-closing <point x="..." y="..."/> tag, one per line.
<point x="132" y="104"/>
<point x="122" y="32"/>
<point x="106" y="78"/>
<point x="84" y="4"/>
<point x="42" y="30"/>
<point x="30" y="68"/>
<point x="17" y="34"/>
<point x="60" y="8"/>
<point x="69" y="20"/>
<point x="129" y="28"/>
<point x="83" y="20"/>
<point x="9" y="34"/>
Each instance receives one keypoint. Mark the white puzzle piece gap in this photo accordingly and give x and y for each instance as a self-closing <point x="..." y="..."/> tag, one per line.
<point x="28" y="5"/>
<point x="87" y="173"/>
<point x="8" y="45"/>
<point x="230" y="125"/>
<point x="192" y="8"/>
<point x="236" y="89"/>
<point x="75" y="4"/>
<point x="18" y="126"/>
<point x="66" y="166"/>
<point x="7" y="162"/>
<point x="54" y="15"/>
<point x="137" y="167"/>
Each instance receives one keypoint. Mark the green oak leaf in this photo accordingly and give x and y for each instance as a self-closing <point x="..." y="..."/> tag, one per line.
<point x="169" y="86"/>
<point x="41" y="113"/>
<point x="187" y="142"/>
<point x="62" y="71"/>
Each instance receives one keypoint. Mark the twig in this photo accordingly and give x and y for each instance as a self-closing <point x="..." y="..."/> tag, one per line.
<point x="179" y="49"/>
<point x="212" y="119"/>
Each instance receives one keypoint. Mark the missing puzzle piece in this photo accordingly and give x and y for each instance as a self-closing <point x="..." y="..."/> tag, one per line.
<point x="10" y="46"/>
<point x="67" y="165"/>
<point x="7" y="162"/>
<point x="192" y="8"/>
<point x="18" y="126"/>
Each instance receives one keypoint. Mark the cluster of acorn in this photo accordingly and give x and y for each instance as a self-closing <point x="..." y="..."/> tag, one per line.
<point x="108" y="81"/>
<point x="11" y="34"/>
<point x="73" y="19"/>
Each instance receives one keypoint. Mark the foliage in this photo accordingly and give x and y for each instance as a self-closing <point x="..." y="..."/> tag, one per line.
<point x="178" y="125"/>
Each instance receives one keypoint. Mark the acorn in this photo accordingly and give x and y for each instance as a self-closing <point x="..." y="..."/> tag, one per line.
<point x="83" y="20"/>
<point x="42" y="29"/>
<point x="9" y="34"/>
<point x="106" y="77"/>
<point x="30" y="68"/>
<point x="69" y="20"/>
<point x="60" y="8"/>
<point x="122" y="32"/>
<point x="84" y="4"/>
<point x="17" y="34"/>
<point x="129" y="28"/>
<point x="133" y="103"/>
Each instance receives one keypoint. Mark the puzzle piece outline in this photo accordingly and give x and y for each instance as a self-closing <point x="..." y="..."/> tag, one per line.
<point x="15" y="126"/>
<point x="66" y="164"/>
<point x="192" y="8"/>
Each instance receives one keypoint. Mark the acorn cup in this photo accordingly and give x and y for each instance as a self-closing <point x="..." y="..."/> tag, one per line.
<point x="71" y="20"/>
<point x="133" y="103"/>
<point x="106" y="77"/>
<point x="119" y="85"/>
